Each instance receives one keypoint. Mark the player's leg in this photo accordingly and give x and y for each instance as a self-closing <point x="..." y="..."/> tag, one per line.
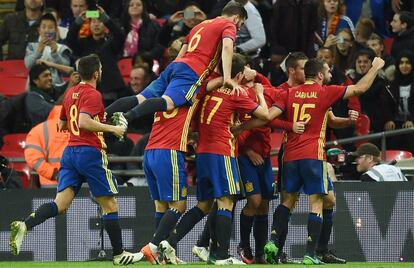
<point x="160" y="209"/>
<point x="315" y="176"/>
<point x="260" y="231"/>
<point x="202" y="248"/>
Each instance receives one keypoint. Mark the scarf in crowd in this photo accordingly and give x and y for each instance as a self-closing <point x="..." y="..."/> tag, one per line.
<point x="131" y="41"/>
<point x="331" y="29"/>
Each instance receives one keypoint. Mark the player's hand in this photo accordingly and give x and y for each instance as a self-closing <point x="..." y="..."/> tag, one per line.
<point x="236" y="129"/>
<point x="299" y="127"/>
<point x="255" y="158"/>
<point x="407" y="124"/>
<point x="390" y="125"/>
<point x="378" y="63"/>
<point x="353" y="115"/>
<point x="258" y="88"/>
<point x="119" y="132"/>
<point x="231" y="84"/>
<point x="249" y="74"/>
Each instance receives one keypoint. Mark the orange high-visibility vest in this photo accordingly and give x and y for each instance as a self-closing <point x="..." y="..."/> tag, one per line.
<point x="44" y="147"/>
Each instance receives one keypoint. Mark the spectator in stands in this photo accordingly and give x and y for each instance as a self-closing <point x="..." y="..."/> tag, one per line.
<point x="146" y="60"/>
<point x="106" y="46"/>
<point x="376" y="43"/>
<point x="141" y="32"/>
<point x="372" y="99"/>
<point x="369" y="163"/>
<point x="293" y="25"/>
<point x="20" y="28"/>
<point x="44" y="148"/>
<point x="180" y="23"/>
<point x="47" y="48"/>
<point x="62" y="31"/>
<point x="331" y="21"/>
<point x="138" y="79"/>
<point x="400" y="5"/>
<point x="403" y="27"/>
<point x="344" y="51"/>
<point x="399" y="108"/>
<point x="174" y="49"/>
<point x="363" y="30"/>
<point x="251" y="37"/>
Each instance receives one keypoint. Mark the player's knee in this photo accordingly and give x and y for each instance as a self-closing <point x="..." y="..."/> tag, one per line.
<point x="263" y="209"/>
<point x="205" y="206"/>
<point x="180" y="206"/>
<point x="329" y="201"/>
<point x="225" y="202"/>
<point x="254" y="201"/>
<point x="170" y="103"/>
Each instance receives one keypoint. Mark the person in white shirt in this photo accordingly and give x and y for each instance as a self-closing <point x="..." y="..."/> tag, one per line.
<point x="368" y="162"/>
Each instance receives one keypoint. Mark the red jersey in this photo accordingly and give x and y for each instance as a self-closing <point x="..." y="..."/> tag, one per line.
<point x="218" y="113"/>
<point x="83" y="98"/>
<point x="204" y="44"/>
<point x="309" y="103"/>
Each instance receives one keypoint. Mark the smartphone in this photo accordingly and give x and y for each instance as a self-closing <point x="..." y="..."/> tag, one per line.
<point x="189" y="15"/>
<point x="50" y="35"/>
<point x="92" y="14"/>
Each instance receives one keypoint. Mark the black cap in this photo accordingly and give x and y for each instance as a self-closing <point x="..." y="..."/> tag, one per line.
<point x="368" y="149"/>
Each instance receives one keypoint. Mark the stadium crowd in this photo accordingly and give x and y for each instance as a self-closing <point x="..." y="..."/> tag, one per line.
<point x="283" y="42"/>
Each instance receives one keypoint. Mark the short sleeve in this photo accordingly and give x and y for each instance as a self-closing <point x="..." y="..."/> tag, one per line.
<point x="229" y="31"/>
<point x="279" y="99"/>
<point x="91" y="103"/>
<point x="245" y="104"/>
<point x="334" y="93"/>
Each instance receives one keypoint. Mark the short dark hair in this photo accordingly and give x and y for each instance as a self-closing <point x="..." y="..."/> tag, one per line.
<point x="293" y="59"/>
<point x="49" y="17"/>
<point x="365" y="52"/>
<point x="313" y="67"/>
<point x="238" y="63"/>
<point x="375" y="36"/>
<point x="365" y="27"/>
<point x="406" y="17"/>
<point x="88" y="65"/>
<point x="234" y="8"/>
<point x="35" y="72"/>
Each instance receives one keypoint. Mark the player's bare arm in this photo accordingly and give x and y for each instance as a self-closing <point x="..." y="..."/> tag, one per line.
<point x="86" y="122"/>
<point x="365" y="83"/>
<point x="342" y="122"/>
<point x="262" y="112"/>
<point x="183" y="50"/>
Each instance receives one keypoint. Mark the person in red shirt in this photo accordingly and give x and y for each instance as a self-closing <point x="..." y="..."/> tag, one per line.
<point x="84" y="159"/>
<point x="206" y="45"/>
<point x="304" y="157"/>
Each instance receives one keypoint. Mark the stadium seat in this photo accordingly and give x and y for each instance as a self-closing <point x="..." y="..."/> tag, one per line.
<point x="397" y="155"/>
<point x="22" y="168"/>
<point x="363" y="124"/>
<point x="135" y="137"/>
<point x="13" y="68"/>
<point x="12" y="86"/>
<point x="14" y="142"/>
<point x="388" y="45"/>
<point x="125" y="66"/>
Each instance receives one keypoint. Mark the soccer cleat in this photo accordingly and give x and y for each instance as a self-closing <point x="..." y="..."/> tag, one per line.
<point x="126" y="258"/>
<point x="17" y="232"/>
<point x="245" y="254"/>
<point x="229" y="261"/>
<point x="330" y="257"/>
<point x="168" y="252"/>
<point x="284" y="259"/>
<point x="260" y="260"/>
<point x="309" y="260"/>
<point x="152" y="257"/>
<point x="270" y="251"/>
<point x="201" y="252"/>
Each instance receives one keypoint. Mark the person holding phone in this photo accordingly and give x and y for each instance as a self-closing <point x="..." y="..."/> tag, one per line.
<point x="47" y="48"/>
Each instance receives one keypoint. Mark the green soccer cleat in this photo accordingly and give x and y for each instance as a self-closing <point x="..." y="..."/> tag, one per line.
<point x="308" y="260"/>
<point x="270" y="251"/>
<point x="17" y="232"/>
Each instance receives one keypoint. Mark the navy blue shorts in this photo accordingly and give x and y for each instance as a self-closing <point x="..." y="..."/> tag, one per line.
<point x="310" y="174"/>
<point x="217" y="176"/>
<point x="165" y="173"/>
<point x="178" y="81"/>
<point x="257" y="179"/>
<point x="86" y="164"/>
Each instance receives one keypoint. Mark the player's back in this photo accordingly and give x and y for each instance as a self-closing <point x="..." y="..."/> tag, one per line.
<point x="309" y="103"/>
<point x="205" y="43"/>
<point x="83" y="98"/>
<point x="217" y="114"/>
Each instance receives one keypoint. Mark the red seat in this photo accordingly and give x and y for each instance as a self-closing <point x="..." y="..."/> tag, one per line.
<point x="12" y="86"/>
<point x="22" y="168"/>
<point x="135" y="137"/>
<point x="13" y="68"/>
<point x="125" y="67"/>
<point x="14" y="142"/>
<point x="363" y="124"/>
<point x="388" y="45"/>
<point x="397" y="155"/>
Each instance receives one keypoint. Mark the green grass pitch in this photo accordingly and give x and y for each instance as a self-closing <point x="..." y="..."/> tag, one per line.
<point x="99" y="264"/>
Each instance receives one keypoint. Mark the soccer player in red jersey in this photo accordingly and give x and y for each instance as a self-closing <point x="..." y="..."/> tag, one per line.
<point x="204" y="47"/>
<point x="84" y="159"/>
<point x="304" y="158"/>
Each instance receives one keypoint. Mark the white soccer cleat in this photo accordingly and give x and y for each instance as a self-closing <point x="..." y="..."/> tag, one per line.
<point x="18" y="230"/>
<point x="201" y="252"/>
<point x="229" y="261"/>
<point x="126" y="258"/>
<point x="168" y="252"/>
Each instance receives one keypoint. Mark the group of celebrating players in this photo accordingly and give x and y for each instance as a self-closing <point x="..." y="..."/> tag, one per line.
<point x="232" y="108"/>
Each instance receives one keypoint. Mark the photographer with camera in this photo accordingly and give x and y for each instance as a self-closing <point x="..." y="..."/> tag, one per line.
<point x="368" y="162"/>
<point x="47" y="48"/>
